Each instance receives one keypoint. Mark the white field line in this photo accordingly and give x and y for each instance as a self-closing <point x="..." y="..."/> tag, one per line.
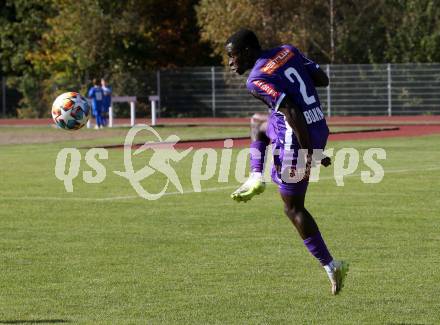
<point x="191" y="191"/>
<point x="127" y="197"/>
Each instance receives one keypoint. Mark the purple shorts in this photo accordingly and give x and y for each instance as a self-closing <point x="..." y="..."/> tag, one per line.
<point x="288" y="170"/>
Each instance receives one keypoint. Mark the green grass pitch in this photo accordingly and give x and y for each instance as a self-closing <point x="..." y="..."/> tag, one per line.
<point x="101" y="255"/>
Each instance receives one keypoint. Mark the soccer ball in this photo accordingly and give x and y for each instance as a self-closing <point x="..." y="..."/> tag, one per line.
<point x="70" y="111"/>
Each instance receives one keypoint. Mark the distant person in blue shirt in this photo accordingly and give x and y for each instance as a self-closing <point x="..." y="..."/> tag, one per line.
<point x="107" y="101"/>
<point x="96" y="95"/>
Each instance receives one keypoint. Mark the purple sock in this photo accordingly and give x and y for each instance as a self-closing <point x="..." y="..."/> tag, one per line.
<point x="317" y="248"/>
<point x="258" y="151"/>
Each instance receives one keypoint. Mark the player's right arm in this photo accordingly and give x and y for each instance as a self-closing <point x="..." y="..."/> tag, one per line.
<point x="295" y="118"/>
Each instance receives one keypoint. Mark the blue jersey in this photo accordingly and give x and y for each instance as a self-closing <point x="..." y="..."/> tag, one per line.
<point x="285" y="71"/>
<point x="96" y="95"/>
<point x="107" y="99"/>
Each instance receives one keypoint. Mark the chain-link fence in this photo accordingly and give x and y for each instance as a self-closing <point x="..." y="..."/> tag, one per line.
<point x="382" y="89"/>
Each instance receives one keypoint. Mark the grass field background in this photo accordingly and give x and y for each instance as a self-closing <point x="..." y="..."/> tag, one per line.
<point x="110" y="136"/>
<point x="102" y="255"/>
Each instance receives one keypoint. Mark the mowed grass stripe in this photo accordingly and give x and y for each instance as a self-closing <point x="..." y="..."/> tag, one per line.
<point x="202" y="258"/>
<point x="212" y="189"/>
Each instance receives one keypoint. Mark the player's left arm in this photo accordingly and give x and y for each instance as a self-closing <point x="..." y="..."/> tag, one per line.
<point x="319" y="77"/>
<point x="297" y="122"/>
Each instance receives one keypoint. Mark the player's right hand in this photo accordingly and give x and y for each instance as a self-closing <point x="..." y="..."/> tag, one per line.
<point x="327" y="161"/>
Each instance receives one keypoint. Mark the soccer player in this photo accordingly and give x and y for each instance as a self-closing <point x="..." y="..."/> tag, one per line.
<point x="96" y="95"/>
<point x="284" y="79"/>
<point x="106" y="101"/>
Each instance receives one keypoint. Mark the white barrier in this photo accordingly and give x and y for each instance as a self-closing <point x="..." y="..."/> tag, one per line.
<point x="118" y="99"/>
<point x="123" y="99"/>
<point x="153" y="100"/>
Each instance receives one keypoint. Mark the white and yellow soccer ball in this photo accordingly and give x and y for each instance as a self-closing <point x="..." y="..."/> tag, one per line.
<point x="70" y="111"/>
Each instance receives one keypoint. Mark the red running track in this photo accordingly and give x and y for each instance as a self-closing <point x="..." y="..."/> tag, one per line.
<point x="420" y="125"/>
<point x="403" y="131"/>
<point x="339" y="120"/>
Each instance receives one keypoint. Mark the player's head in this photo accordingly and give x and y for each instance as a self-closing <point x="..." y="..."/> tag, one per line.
<point x="242" y="48"/>
<point x="95" y="82"/>
<point x="103" y="83"/>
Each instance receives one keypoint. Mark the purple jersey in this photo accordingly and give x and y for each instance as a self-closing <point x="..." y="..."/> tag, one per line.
<point x="284" y="71"/>
<point x="280" y="72"/>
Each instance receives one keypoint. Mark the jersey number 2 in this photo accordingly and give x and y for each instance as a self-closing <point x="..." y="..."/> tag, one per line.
<point x="302" y="86"/>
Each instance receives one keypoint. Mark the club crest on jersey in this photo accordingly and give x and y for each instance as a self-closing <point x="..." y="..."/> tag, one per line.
<point x="277" y="61"/>
<point x="266" y="88"/>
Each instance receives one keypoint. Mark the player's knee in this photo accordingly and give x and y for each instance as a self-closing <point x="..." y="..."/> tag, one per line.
<point x="291" y="212"/>
<point x="258" y="118"/>
<point x="294" y="213"/>
<point x="258" y="127"/>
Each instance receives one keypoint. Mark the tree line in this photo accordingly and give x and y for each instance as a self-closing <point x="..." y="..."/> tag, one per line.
<point x="47" y="46"/>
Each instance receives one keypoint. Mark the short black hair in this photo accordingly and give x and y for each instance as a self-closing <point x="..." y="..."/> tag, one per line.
<point x="244" y="38"/>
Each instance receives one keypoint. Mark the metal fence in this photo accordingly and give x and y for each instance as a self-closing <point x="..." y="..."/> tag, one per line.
<point x="382" y="89"/>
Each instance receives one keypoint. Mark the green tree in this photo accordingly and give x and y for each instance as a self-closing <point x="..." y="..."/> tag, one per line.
<point x="51" y="46"/>
<point x="22" y="24"/>
<point x="360" y="31"/>
<point x="92" y="38"/>
<point x="379" y="31"/>
<point x="302" y="23"/>
<point x="413" y="31"/>
<point x="75" y="47"/>
<point x="369" y="31"/>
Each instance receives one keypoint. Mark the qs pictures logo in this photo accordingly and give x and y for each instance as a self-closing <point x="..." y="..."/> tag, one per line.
<point x="206" y="163"/>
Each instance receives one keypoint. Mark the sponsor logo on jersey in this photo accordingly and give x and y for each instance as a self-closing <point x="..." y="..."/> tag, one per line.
<point x="268" y="89"/>
<point x="277" y="61"/>
<point x="313" y="115"/>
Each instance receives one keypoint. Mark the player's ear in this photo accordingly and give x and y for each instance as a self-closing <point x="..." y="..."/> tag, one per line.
<point x="246" y="52"/>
